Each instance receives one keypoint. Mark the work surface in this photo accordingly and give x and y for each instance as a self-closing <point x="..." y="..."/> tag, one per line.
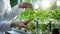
<point x="15" y="31"/>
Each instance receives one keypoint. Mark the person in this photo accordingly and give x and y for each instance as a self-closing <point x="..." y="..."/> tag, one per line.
<point x="7" y="14"/>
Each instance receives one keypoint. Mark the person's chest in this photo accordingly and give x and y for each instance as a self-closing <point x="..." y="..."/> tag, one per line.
<point x="4" y="2"/>
<point x="7" y="3"/>
<point x="5" y="6"/>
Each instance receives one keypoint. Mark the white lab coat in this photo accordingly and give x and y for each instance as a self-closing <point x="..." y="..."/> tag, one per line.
<point x="6" y="14"/>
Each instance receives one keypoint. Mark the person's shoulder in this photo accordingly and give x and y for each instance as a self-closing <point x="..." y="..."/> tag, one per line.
<point x="16" y="6"/>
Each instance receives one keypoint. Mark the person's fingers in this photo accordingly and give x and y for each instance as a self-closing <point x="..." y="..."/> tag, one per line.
<point x="24" y="26"/>
<point x="30" y="6"/>
<point x="26" y="22"/>
<point x="25" y="5"/>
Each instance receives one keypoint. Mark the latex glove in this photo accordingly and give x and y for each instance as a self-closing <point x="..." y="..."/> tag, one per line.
<point x="20" y="24"/>
<point x="26" y="5"/>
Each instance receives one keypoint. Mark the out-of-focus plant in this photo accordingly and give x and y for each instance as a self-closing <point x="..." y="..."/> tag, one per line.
<point x="29" y="1"/>
<point x="42" y="16"/>
<point x="43" y="26"/>
<point x="29" y="14"/>
<point x="53" y="5"/>
<point x="55" y="14"/>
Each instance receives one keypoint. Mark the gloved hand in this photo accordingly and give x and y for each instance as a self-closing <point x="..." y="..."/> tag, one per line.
<point x="19" y="24"/>
<point x="25" y="5"/>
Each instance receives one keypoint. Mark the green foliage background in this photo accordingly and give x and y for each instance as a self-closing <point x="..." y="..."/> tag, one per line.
<point x="13" y="2"/>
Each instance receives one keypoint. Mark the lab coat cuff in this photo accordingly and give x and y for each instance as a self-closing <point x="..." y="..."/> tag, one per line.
<point x="6" y="25"/>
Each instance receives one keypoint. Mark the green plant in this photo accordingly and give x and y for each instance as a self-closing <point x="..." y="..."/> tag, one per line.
<point x="55" y="14"/>
<point x="39" y="15"/>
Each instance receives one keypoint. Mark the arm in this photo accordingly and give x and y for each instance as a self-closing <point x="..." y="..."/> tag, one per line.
<point x="16" y="10"/>
<point x="11" y="14"/>
<point x="5" y="26"/>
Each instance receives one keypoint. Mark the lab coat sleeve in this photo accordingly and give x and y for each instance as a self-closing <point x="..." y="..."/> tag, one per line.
<point x="5" y="26"/>
<point x="11" y="14"/>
